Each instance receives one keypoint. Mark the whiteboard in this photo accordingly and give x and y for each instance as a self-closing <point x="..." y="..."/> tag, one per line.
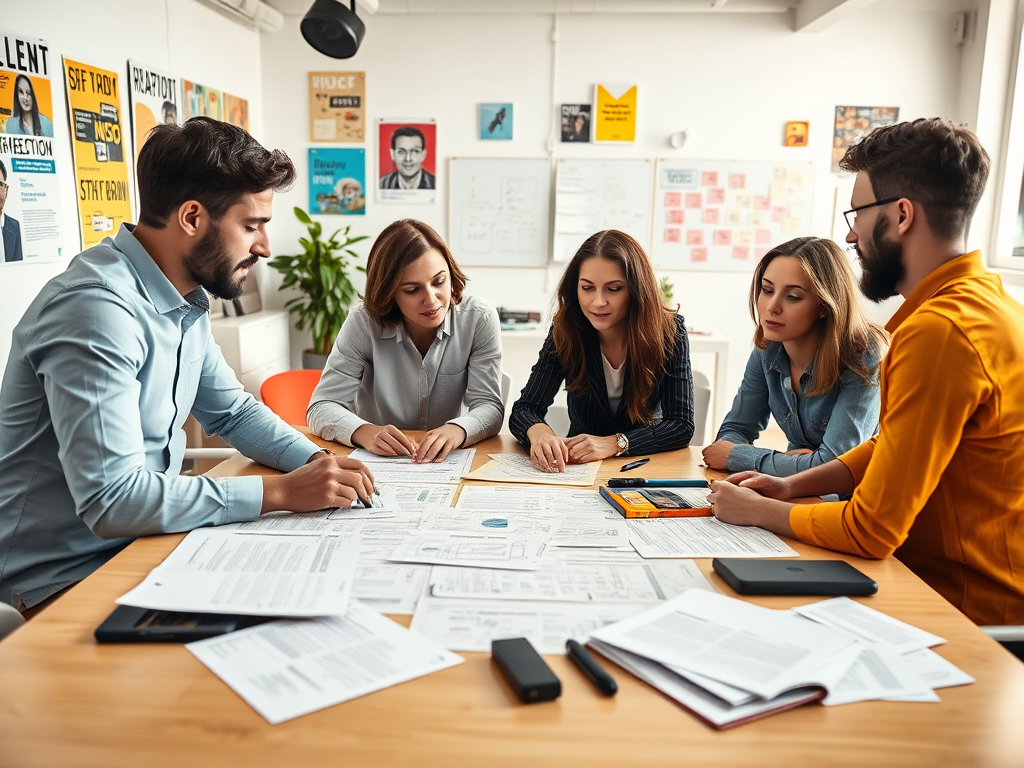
<point x="725" y="215"/>
<point x="592" y="195"/>
<point x="499" y="211"/>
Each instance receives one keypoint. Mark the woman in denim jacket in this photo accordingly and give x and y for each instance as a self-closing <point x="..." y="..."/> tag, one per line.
<point x="814" y="366"/>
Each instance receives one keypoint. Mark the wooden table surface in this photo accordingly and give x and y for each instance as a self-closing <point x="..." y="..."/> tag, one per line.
<point x="67" y="702"/>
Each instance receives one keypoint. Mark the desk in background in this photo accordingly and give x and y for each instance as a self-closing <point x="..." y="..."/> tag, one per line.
<point x="66" y="701"/>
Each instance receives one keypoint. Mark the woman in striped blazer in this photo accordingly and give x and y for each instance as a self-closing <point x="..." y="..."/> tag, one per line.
<point x="623" y="355"/>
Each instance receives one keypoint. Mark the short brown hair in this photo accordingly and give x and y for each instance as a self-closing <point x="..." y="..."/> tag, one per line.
<point x="932" y="161"/>
<point x="398" y="246"/>
<point x="210" y="161"/>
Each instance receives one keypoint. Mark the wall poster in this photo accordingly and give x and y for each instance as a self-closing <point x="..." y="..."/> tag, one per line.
<point x="30" y="217"/>
<point x="236" y="111"/>
<point x="337" y="181"/>
<point x="407" y="161"/>
<point x="575" y="123"/>
<point x="97" y="147"/>
<point x="615" y="113"/>
<point x="201" y="100"/>
<point x="854" y="123"/>
<point x="337" y="107"/>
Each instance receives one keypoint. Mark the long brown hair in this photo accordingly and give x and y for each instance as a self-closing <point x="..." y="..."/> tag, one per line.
<point x="650" y="336"/>
<point x="398" y="246"/>
<point x="844" y="334"/>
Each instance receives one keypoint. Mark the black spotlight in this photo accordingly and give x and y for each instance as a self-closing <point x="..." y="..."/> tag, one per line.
<point x="333" y="29"/>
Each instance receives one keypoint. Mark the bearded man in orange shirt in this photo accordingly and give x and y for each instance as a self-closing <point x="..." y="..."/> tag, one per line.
<point x="942" y="484"/>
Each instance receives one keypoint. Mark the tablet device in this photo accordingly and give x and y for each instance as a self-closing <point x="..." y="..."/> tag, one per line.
<point x="128" y="624"/>
<point x="793" y="577"/>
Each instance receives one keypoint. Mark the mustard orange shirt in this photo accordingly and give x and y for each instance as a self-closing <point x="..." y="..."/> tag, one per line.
<point x="942" y="484"/>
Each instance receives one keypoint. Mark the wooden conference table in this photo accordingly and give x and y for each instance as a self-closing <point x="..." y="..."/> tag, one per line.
<point x="67" y="702"/>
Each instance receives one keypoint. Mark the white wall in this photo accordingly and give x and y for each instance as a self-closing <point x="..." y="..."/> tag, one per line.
<point x="183" y="37"/>
<point x="732" y="79"/>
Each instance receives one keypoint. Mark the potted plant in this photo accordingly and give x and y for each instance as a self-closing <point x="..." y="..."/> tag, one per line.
<point x="321" y="274"/>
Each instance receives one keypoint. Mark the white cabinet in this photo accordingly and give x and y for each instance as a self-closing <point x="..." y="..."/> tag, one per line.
<point x="255" y="346"/>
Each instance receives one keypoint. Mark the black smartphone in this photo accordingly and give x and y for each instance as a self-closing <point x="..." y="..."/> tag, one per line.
<point x="128" y="624"/>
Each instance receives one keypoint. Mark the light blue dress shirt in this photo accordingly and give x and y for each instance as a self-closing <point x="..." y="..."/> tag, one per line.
<point x="105" y="366"/>
<point x="829" y="424"/>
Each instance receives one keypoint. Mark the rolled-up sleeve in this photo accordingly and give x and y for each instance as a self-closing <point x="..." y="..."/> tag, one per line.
<point x="331" y="413"/>
<point x="483" y="389"/>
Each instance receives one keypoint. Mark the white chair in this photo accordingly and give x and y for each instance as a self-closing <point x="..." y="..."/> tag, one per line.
<point x="10" y="619"/>
<point x="557" y="418"/>
<point x="701" y="403"/>
<point x="507" y="386"/>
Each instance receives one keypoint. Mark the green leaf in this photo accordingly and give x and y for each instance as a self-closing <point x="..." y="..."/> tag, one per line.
<point x="302" y="216"/>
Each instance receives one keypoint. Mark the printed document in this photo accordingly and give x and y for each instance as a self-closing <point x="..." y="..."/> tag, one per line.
<point x="401" y="469"/>
<point x="285" y="669"/>
<point x="390" y="587"/>
<point x="507" y="498"/>
<point x="216" y="571"/>
<point x="518" y="552"/>
<point x="333" y="520"/>
<point x="868" y="624"/>
<point x="514" y="468"/>
<point x="703" y="537"/>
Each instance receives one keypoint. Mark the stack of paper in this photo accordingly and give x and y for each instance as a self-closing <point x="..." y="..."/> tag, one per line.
<point x="730" y="662"/>
<point x="514" y="468"/>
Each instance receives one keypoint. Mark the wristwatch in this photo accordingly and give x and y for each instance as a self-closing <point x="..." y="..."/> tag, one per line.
<point x="623" y="442"/>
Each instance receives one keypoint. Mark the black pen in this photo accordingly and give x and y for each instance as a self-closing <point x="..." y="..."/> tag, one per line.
<point x="594" y="671"/>
<point x="633" y="465"/>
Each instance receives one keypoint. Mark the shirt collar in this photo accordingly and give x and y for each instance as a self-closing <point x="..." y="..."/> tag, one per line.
<point x="162" y="293"/>
<point x="397" y="331"/>
<point x="967" y="265"/>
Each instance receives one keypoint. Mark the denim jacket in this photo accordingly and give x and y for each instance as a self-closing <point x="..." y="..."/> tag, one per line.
<point x="829" y="424"/>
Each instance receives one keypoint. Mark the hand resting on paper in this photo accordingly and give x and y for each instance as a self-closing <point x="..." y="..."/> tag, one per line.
<point x="324" y="481"/>
<point x="438" y="443"/>
<point x="548" y="452"/>
<point x="584" y="448"/>
<point x="388" y="440"/>
<point x="738" y="504"/>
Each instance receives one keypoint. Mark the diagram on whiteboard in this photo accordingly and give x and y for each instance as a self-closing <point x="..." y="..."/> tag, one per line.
<point x="724" y="216"/>
<point x="499" y="211"/>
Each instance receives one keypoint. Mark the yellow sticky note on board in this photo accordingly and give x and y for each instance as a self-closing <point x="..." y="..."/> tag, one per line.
<point x="615" y="113"/>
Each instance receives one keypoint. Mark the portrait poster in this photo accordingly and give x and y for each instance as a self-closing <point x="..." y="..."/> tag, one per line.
<point x="854" y="123"/>
<point x="236" y="111"/>
<point x="154" y="97"/>
<point x="337" y="107"/>
<point x="30" y="204"/>
<point x="97" y="148"/>
<point x="615" y="113"/>
<point x="496" y="122"/>
<point x="407" y="158"/>
<point x="201" y="100"/>
<point x="337" y="181"/>
<point x="575" y="123"/>
<point x="797" y="133"/>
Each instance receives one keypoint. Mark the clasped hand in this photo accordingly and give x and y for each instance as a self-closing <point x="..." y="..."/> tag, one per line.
<point x="550" y="453"/>
<point x="752" y="498"/>
<point x="389" y="440"/>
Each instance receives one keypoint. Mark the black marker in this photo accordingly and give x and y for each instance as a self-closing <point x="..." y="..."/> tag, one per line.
<point x="594" y="671"/>
<point x="633" y="465"/>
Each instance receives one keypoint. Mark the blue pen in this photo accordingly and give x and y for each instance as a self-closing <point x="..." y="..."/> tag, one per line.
<point x="653" y="482"/>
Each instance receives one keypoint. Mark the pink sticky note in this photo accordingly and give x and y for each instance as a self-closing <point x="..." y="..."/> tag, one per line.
<point x="763" y="236"/>
<point x="723" y="237"/>
<point x="711" y="215"/>
<point x="673" y="235"/>
<point x="709" y="178"/>
<point x="762" y="202"/>
<point x="694" y="200"/>
<point x="737" y="181"/>
<point x="741" y="252"/>
<point x="675" y="200"/>
<point x="716" y="196"/>
<point x="759" y="253"/>
<point x="674" y="216"/>
<point x="699" y="254"/>
<point x="695" y="237"/>
<point x="779" y="213"/>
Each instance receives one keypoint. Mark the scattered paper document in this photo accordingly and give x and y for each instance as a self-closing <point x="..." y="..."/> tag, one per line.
<point x="390" y="587"/>
<point x="703" y="537"/>
<point x="507" y="498"/>
<point x="297" y="523"/>
<point x="513" y="468"/>
<point x="401" y="469"/>
<point x="457" y="520"/>
<point x="285" y="669"/>
<point x="414" y="497"/>
<point x="471" y="625"/>
<point x="935" y="671"/>
<point x="879" y="673"/>
<point x="216" y="571"/>
<point x="518" y="552"/>
<point x="869" y="624"/>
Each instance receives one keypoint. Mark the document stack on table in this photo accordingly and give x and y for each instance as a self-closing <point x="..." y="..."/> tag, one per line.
<point x="513" y="468"/>
<point x="730" y="662"/>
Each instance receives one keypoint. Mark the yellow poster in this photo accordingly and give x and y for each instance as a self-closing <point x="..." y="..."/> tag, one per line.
<point x="615" y="113"/>
<point x="337" y="106"/>
<point x="101" y="173"/>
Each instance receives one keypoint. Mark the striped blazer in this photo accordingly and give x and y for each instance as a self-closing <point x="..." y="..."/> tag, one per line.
<point x="589" y="412"/>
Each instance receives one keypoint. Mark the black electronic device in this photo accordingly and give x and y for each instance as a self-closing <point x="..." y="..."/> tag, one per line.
<point x="793" y="577"/>
<point x="529" y="676"/>
<point x="128" y="624"/>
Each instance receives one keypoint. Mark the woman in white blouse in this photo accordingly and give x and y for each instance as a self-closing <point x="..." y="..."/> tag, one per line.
<point x="411" y="354"/>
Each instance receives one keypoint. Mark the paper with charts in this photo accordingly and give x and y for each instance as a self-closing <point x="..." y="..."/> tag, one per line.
<point x="515" y="551"/>
<point x="703" y="537"/>
<point x="285" y="669"/>
<point x="217" y="571"/>
<point x="513" y="468"/>
<point x="401" y="469"/>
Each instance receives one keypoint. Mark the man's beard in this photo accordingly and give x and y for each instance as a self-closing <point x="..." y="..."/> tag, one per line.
<point x="213" y="268"/>
<point x="882" y="263"/>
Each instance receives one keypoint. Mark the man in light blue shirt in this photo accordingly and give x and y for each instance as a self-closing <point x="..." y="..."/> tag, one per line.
<point x="114" y="354"/>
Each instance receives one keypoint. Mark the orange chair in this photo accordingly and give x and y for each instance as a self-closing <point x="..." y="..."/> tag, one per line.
<point x="288" y="394"/>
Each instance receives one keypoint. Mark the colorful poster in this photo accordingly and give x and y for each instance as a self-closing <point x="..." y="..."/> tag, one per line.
<point x="854" y="123"/>
<point x="337" y="106"/>
<point x="236" y="111"/>
<point x="30" y="218"/>
<point x="407" y="164"/>
<point x="201" y="100"/>
<point x="337" y="181"/>
<point x="495" y="122"/>
<point x="153" y="98"/>
<point x="575" y="123"/>
<point x="797" y="132"/>
<point x="97" y="146"/>
<point x="615" y="112"/>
